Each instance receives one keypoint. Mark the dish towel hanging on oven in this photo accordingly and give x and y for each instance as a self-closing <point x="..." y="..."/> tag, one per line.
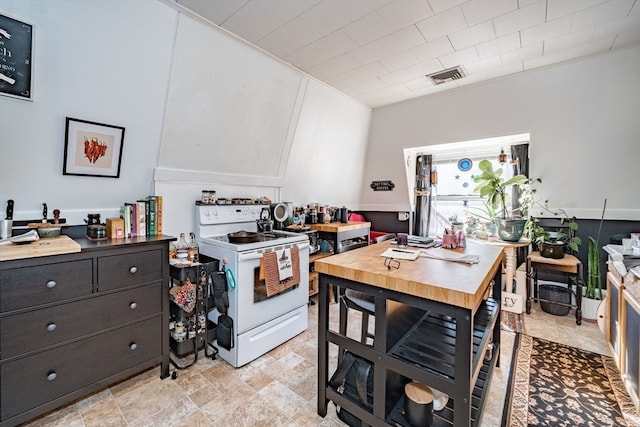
<point x="281" y="269"/>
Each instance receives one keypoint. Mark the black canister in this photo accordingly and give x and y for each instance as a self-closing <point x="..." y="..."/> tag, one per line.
<point x="418" y="404"/>
<point x="93" y="219"/>
<point x="344" y="214"/>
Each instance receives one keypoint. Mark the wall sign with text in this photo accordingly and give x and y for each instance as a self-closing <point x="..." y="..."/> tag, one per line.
<point x="16" y="54"/>
<point x="382" y="185"/>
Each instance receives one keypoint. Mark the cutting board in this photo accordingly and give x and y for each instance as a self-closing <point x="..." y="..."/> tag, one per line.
<point x="42" y="247"/>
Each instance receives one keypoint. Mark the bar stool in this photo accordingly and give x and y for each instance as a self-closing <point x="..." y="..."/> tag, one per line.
<point x="364" y="303"/>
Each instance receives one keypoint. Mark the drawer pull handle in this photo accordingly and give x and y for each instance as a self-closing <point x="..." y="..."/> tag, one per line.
<point x="133" y="346"/>
<point x="51" y="284"/>
<point x="51" y="375"/>
<point x="51" y="327"/>
<point x="133" y="270"/>
<point x="133" y="306"/>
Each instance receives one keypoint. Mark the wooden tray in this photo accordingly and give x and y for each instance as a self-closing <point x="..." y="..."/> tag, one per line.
<point x="42" y="247"/>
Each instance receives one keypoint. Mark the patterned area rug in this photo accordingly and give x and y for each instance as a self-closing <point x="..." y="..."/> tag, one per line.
<point x="553" y="384"/>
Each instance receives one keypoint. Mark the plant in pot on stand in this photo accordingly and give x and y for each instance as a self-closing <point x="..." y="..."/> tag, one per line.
<point x="593" y="294"/>
<point x="551" y="244"/>
<point x="493" y="187"/>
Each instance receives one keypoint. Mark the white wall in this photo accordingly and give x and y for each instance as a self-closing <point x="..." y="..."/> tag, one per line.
<point x="583" y="117"/>
<point x="106" y="62"/>
<point x="201" y="109"/>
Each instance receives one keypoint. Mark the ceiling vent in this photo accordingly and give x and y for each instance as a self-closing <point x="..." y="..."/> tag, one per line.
<point x="447" y="75"/>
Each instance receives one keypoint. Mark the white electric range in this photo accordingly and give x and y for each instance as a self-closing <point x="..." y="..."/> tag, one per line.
<point x="261" y="323"/>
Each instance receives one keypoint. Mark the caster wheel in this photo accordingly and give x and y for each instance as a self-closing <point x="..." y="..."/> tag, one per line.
<point x="174" y="375"/>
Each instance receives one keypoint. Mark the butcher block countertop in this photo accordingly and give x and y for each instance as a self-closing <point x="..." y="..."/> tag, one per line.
<point x="459" y="284"/>
<point x="335" y="227"/>
<point x="41" y="247"/>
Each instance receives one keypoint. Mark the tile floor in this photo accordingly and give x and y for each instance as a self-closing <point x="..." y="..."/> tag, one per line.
<point x="277" y="389"/>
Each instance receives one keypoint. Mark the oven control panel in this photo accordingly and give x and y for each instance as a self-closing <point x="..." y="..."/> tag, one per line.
<point x="228" y="214"/>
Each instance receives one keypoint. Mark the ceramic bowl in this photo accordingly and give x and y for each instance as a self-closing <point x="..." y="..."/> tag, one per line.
<point x="48" y="232"/>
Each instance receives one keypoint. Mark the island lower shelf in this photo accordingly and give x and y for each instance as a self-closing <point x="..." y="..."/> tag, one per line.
<point x="427" y="353"/>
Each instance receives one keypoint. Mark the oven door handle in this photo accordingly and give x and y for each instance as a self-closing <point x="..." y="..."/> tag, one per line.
<point x="258" y="255"/>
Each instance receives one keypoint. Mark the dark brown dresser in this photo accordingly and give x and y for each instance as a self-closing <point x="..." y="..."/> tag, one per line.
<point x="73" y="324"/>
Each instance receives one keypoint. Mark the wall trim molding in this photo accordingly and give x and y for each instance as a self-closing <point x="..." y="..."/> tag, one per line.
<point x="206" y="177"/>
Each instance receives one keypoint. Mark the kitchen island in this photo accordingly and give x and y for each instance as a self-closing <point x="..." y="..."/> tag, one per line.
<point x="434" y="323"/>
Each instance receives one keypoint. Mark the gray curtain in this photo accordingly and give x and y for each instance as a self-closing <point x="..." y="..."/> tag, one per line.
<point x="520" y="167"/>
<point x="424" y="165"/>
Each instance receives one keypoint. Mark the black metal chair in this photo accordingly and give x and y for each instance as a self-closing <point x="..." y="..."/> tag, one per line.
<point x="364" y="303"/>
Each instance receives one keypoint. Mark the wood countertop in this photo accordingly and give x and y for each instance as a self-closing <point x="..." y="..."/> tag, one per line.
<point x="336" y="227"/>
<point x="41" y="247"/>
<point x="462" y="285"/>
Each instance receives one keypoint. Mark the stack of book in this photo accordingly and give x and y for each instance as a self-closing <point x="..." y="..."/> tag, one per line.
<point x="142" y="217"/>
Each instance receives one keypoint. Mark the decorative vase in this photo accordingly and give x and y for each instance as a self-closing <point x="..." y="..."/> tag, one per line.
<point x="510" y="230"/>
<point x="553" y="250"/>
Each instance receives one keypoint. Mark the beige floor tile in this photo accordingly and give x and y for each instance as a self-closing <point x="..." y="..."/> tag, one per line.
<point x="277" y="389"/>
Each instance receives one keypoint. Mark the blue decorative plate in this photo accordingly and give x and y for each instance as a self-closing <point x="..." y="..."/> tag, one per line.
<point x="465" y="164"/>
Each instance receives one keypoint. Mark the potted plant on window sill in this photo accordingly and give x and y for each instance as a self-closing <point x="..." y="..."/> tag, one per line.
<point x="493" y="187"/>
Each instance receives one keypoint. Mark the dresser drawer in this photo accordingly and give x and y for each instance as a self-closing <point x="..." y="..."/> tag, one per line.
<point x="129" y="269"/>
<point x="40" y="284"/>
<point x="38" y="379"/>
<point x="30" y="331"/>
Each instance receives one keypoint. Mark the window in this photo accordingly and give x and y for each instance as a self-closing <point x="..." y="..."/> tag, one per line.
<point x="456" y="165"/>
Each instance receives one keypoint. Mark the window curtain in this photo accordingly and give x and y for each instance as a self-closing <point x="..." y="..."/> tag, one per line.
<point x="520" y="163"/>
<point x="424" y="165"/>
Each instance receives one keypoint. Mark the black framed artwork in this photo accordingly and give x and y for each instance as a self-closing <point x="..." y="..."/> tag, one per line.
<point x="92" y="149"/>
<point x="16" y="58"/>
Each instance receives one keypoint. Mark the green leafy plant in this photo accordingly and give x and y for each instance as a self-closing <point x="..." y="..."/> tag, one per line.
<point x="594" y="280"/>
<point x="532" y="207"/>
<point x="493" y="187"/>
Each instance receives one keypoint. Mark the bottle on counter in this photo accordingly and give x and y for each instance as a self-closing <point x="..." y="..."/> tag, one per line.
<point x="193" y="252"/>
<point x="182" y="249"/>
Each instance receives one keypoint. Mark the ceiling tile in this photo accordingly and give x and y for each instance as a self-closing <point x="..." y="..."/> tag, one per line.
<point x="477" y="11"/>
<point x="522" y="54"/>
<point x="473" y="35"/>
<point x="403" y="39"/>
<point x="441" y="25"/>
<point x="288" y="38"/>
<point x="555" y="28"/>
<point x="400" y="14"/>
<point x="440" y="6"/>
<point x="367" y="29"/>
<point x="258" y="18"/>
<point x="559" y="8"/>
<point x="331" y="15"/>
<point x="562" y="43"/>
<point x="499" y="45"/>
<point x="355" y="76"/>
<point x="482" y="65"/>
<point x="433" y="49"/>
<point x="400" y="60"/>
<point x="370" y="52"/>
<point x="334" y="66"/>
<point x="602" y="13"/>
<point x="469" y="54"/>
<point x="321" y="50"/>
<point x="520" y="19"/>
<point x="216" y="11"/>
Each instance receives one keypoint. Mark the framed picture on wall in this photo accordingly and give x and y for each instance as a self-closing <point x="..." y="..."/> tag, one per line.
<point x="16" y="58"/>
<point x="92" y="149"/>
